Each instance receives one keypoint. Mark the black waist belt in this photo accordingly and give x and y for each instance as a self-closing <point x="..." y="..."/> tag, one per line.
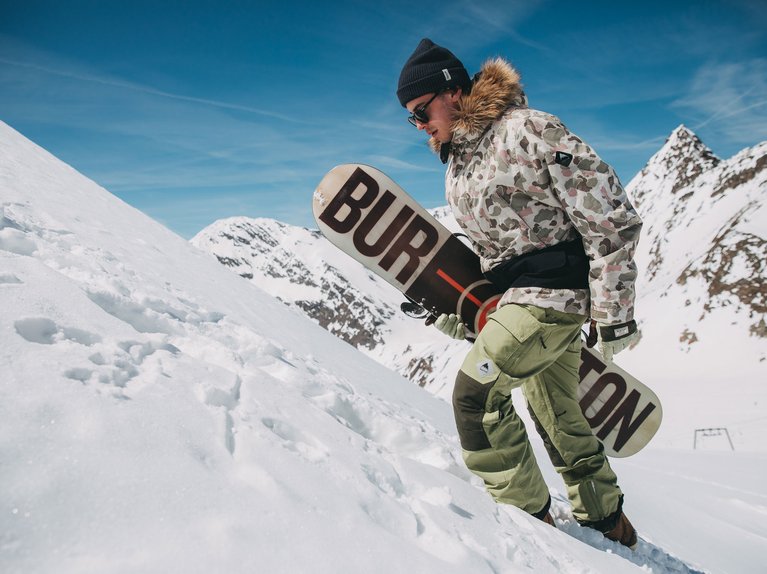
<point x="561" y="266"/>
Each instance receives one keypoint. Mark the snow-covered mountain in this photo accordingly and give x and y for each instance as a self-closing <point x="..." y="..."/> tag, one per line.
<point x="161" y="414"/>
<point x="704" y="238"/>
<point x="299" y="267"/>
<point x="701" y="294"/>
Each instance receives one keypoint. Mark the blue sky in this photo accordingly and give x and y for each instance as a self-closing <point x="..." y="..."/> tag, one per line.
<point x="194" y="111"/>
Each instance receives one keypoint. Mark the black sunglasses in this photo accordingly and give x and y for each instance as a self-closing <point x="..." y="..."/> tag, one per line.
<point x="419" y="114"/>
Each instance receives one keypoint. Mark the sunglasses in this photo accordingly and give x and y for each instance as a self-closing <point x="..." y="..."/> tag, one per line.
<point x="419" y="114"/>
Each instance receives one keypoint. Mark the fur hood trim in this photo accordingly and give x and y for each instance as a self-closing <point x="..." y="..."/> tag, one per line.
<point x="496" y="87"/>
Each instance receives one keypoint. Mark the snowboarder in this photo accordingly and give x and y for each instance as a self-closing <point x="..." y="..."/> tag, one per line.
<point x="554" y="229"/>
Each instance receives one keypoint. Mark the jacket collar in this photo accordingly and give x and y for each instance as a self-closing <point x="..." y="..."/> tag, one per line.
<point x="495" y="88"/>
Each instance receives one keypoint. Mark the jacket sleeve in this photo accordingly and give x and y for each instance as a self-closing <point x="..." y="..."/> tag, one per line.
<point x="569" y="172"/>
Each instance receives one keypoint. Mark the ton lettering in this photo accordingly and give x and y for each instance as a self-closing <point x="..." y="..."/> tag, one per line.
<point x="617" y="411"/>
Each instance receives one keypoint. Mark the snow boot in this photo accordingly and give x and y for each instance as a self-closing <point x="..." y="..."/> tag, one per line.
<point x="623" y="533"/>
<point x="549" y="519"/>
<point x="544" y="515"/>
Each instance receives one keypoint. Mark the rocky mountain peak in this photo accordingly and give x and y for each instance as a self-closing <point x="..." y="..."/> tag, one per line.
<point x="682" y="159"/>
<point x="684" y="144"/>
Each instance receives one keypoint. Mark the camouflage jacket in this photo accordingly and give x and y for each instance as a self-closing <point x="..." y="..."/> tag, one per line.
<point x="518" y="180"/>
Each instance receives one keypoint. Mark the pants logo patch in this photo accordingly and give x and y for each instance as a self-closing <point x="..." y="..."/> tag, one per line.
<point x="485" y="368"/>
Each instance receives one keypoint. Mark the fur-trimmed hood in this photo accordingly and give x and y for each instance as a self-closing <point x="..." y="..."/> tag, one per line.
<point x="496" y="87"/>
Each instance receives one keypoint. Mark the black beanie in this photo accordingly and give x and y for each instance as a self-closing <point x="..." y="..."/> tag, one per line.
<point x="430" y="69"/>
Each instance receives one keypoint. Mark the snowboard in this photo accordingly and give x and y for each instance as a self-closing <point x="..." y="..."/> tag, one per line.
<point x="367" y="215"/>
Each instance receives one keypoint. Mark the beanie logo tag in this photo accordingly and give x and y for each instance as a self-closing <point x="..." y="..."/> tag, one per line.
<point x="448" y="77"/>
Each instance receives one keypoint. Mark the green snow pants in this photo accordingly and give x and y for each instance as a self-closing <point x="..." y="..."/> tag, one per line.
<point x="539" y="350"/>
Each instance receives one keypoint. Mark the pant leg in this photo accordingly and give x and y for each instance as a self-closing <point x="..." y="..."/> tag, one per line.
<point x="508" y="466"/>
<point x="576" y="454"/>
<point x="517" y="344"/>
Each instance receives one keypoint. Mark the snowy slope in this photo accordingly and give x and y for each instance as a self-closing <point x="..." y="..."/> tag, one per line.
<point x="161" y="414"/>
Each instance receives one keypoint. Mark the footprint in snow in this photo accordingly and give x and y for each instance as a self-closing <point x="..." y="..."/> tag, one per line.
<point x="151" y="315"/>
<point x="296" y="440"/>
<point x="346" y="411"/>
<point x="115" y="366"/>
<point x="10" y="279"/>
<point x="44" y="331"/>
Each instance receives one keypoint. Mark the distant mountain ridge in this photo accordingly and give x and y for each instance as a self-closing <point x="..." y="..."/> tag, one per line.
<point x="299" y="267"/>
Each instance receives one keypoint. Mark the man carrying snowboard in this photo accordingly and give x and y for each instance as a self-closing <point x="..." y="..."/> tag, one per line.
<point x="554" y="229"/>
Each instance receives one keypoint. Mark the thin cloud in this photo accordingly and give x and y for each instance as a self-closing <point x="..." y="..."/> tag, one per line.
<point x="148" y="90"/>
<point x="629" y="144"/>
<point x="729" y="98"/>
<point x="469" y="27"/>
